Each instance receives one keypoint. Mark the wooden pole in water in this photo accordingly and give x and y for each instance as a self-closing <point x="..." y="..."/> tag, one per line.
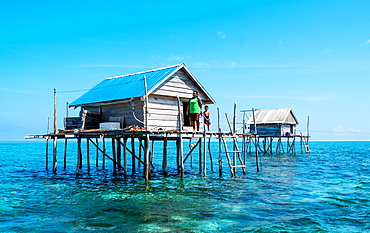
<point x="125" y="157"/>
<point x="147" y="139"/>
<point x="133" y="157"/>
<point x="114" y="157"/>
<point x="65" y="153"/>
<point x="180" y="138"/>
<point x="204" y="151"/>
<point x="97" y="152"/>
<point x="235" y="139"/>
<point x="46" y="154"/>
<point x="140" y="152"/>
<point x="47" y="146"/>
<point x="256" y="140"/>
<point x="200" y="155"/>
<point x="119" y="153"/>
<point x="78" y="165"/>
<point x="164" y="161"/>
<point x="55" y="112"/>
<point x="210" y="153"/>
<point x="88" y="154"/>
<point x="55" y="131"/>
<point x="219" y="143"/>
<point x="105" y="151"/>
<point x="308" y="134"/>
<point x="55" y="155"/>
<point x="244" y="149"/>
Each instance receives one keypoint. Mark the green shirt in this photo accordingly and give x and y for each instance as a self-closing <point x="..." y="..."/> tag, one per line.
<point x="194" y="105"/>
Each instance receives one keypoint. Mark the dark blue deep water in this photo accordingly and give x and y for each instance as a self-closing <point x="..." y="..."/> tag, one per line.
<point x="327" y="190"/>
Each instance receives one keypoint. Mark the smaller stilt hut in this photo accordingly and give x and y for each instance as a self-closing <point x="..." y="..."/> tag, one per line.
<point x="273" y="122"/>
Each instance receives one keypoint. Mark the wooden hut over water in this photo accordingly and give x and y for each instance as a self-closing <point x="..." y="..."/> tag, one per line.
<point x="122" y="99"/>
<point x="155" y="101"/>
<point x="273" y="122"/>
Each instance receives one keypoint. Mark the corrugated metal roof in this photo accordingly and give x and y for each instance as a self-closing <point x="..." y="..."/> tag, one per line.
<point x="274" y="116"/>
<point x="126" y="86"/>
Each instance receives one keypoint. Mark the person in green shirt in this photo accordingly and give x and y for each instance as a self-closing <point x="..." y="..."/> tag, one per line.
<point x="194" y="109"/>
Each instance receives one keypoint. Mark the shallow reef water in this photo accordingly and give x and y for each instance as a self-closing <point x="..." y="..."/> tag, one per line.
<point x="324" y="191"/>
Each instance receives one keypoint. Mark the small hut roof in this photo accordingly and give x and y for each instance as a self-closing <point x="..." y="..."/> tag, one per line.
<point x="132" y="86"/>
<point x="274" y="116"/>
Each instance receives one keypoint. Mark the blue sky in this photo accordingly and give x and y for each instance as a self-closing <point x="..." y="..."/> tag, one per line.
<point x="312" y="56"/>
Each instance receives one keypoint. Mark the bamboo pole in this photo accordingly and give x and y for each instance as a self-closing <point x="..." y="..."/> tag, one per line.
<point x="55" y="155"/>
<point x="47" y="146"/>
<point x="200" y="155"/>
<point x="219" y="143"/>
<point x="140" y="152"/>
<point x="119" y="153"/>
<point x="114" y="156"/>
<point x="79" y="155"/>
<point x="164" y="161"/>
<point x="147" y="139"/>
<point x="256" y="140"/>
<point x="55" y="112"/>
<point x="97" y="152"/>
<point x="180" y="138"/>
<point x="104" y="152"/>
<point x="124" y="156"/>
<point x="55" y="131"/>
<point x="133" y="156"/>
<point x="204" y="151"/>
<point x="244" y="149"/>
<point x="210" y="154"/>
<point x="65" y="153"/>
<point x="47" y="154"/>
<point x="88" y="154"/>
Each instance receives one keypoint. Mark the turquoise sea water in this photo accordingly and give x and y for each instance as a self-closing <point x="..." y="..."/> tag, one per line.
<point x="327" y="190"/>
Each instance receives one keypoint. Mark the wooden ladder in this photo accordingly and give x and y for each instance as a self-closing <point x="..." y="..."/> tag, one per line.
<point x="235" y="153"/>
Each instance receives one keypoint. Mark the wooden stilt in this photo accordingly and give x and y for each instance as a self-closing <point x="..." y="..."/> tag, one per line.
<point x="124" y="157"/>
<point x="140" y="151"/>
<point x="79" y="156"/>
<point x="47" y="154"/>
<point x="65" y="153"/>
<point x="147" y="144"/>
<point x="88" y="154"/>
<point x="55" y="155"/>
<point x="97" y="152"/>
<point x="119" y="153"/>
<point x="104" y="152"/>
<point x="219" y="143"/>
<point x="164" y="161"/>
<point x="133" y="156"/>
<point x="178" y="156"/>
<point x="257" y="159"/>
<point x="55" y="131"/>
<point x="152" y="153"/>
<point x="200" y="155"/>
<point x="256" y="140"/>
<point x="204" y="153"/>
<point x="114" y="156"/>
<point x="210" y="154"/>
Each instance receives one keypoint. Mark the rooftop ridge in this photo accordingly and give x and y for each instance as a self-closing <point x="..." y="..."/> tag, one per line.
<point x="143" y="72"/>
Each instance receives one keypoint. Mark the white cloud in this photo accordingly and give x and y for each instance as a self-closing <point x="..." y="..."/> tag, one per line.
<point x="282" y="44"/>
<point x="175" y="58"/>
<point x="304" y="98"/>
<point x="341" y="129"/>
<point x="233" y="64"/>
<point x="368" y="42"/>
<point x="222" y="35"/>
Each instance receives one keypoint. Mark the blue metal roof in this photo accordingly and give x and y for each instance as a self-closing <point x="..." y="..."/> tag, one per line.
<point x="126" y="86"/>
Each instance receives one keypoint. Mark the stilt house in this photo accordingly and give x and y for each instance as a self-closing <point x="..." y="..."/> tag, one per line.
<point x="273" y="122"/>
<point x="122" y="99"/>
